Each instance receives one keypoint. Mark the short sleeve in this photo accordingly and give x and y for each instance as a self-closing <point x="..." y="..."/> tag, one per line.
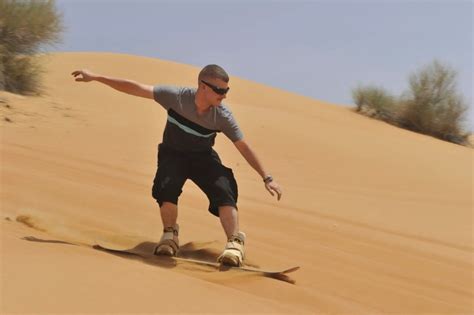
<point x="166" y="96"/>
<point x="230" y="127"/>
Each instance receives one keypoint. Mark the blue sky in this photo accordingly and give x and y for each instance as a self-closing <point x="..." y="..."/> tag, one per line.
<point x="321" y="49"/>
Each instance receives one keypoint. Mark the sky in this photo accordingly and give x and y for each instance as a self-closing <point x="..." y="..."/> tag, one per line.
<point x="320" y="49"/>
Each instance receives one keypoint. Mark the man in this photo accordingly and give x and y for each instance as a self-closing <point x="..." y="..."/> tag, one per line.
<point x="194" y="118"/>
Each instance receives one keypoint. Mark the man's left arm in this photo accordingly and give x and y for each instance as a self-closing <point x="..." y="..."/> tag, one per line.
<point x="250" y="156"/>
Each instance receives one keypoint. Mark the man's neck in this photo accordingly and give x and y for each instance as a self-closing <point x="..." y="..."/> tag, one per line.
<point x="201" y="106"/>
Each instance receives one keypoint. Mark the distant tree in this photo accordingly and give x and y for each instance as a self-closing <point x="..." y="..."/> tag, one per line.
<point x="433" y="106"/>
<point x="26" y="26"/>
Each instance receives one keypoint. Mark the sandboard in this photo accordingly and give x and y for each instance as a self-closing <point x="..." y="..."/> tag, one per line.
<point x="146" y="251"/>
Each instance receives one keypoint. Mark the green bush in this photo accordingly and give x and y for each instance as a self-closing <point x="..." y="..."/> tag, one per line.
<point x="25" y="28"/>
<point x="374" y="102"/>
<point x="432" y="105"/>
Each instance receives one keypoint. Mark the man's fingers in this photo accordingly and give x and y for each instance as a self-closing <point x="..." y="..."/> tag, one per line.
<point x="269" y="190"/>
<point x="278" y="191"/>
<point x="80" y="77"/>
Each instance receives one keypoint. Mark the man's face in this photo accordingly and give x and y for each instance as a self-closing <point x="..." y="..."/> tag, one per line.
<point x="213" y="89"/>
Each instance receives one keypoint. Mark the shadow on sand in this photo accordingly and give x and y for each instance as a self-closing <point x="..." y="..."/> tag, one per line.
<point x="144" y="252"/>
<point x="195" y="253"/>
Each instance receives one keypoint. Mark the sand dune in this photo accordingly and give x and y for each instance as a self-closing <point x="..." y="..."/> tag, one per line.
<point x="378" y="218"/>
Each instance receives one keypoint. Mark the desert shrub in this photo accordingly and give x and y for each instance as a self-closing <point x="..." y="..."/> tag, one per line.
<point x="433" y="106"/>
<point x="25" y="28"/>
<point x="374" y="102"/>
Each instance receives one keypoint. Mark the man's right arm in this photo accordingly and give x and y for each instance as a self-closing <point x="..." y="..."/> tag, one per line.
<point x="122" y="85"/>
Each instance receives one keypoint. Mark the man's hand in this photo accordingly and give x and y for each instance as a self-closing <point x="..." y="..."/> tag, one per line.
<point x="252" y="159"/>
<point x="274" y="187"/>
<point x="83" y="75"/>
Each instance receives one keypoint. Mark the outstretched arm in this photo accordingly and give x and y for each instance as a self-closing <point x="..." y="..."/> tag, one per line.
<point x="122" y="85"/>
<point x="250" y="156"/>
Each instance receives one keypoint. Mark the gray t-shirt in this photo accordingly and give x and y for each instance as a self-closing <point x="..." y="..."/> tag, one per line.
<point x="186" y="130"/>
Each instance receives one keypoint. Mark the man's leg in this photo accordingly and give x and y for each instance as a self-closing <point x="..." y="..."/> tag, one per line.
<point x="219" y="185"/>
<point x="167" y="187"/>
<point x="230" y="220"/>
<point x="234" y="250"/>
<point x="169" y="243"/>
<point x="169" y="214"/>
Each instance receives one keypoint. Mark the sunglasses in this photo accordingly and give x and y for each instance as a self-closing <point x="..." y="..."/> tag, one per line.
<point x="217" y="90"/>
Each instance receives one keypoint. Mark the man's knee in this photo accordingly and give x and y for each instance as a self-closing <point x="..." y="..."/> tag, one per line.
<point x="169" y="205"/>
<point x="168" y="194"/>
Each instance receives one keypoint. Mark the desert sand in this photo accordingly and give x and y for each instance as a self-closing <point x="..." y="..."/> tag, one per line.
<point x="378" y="218"/>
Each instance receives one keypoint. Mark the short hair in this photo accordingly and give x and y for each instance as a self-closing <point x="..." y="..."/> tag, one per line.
<point x="213" y="72"/>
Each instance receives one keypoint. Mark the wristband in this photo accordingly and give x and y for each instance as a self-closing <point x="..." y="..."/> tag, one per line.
<point x="268" y="179"/>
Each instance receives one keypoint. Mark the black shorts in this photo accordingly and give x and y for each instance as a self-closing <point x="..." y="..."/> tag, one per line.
<point x="203" y="168"/>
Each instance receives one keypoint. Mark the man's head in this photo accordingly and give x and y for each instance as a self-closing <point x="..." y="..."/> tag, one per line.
<point x="213" y="84"/>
